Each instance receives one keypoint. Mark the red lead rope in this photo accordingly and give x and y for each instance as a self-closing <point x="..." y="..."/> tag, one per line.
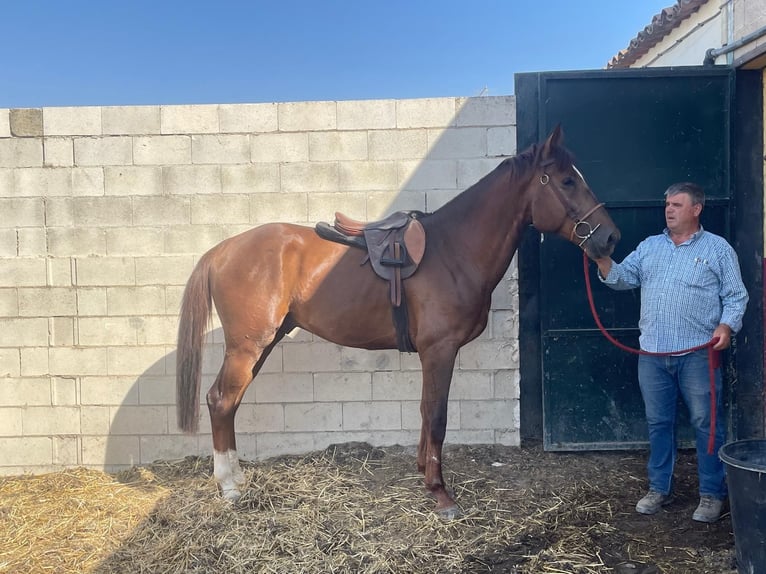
<point x="712" y="355"/>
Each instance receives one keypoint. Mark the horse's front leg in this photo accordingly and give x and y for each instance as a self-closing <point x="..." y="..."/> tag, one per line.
<point x="437" y="374"/>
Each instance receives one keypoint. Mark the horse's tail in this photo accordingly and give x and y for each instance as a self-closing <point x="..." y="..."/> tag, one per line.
<point x="196" y="309"/>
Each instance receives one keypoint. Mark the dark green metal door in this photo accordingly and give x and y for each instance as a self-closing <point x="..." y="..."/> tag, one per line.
<point x="634" y="132"/>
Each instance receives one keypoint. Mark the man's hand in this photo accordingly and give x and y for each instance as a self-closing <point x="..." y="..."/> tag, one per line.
<point x="723" y="332"/>
<point x="604" y="265"/>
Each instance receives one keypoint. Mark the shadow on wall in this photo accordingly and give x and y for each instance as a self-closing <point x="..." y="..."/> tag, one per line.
<point x="312" y="393"/>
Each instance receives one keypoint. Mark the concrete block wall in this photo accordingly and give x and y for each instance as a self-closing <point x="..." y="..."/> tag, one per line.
<point x="105" y="211"/>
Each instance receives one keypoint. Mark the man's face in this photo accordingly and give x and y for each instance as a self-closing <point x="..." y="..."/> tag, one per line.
<point x="680" y="214"/>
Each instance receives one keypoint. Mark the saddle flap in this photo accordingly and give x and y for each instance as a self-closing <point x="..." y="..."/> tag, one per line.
<point x="415" y="241"/>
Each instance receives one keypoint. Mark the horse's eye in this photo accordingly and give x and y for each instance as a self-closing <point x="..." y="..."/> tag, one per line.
<point x="568" y="181"/>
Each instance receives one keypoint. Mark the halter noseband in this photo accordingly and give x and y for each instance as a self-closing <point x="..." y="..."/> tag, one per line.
<point x="571" y="214"/>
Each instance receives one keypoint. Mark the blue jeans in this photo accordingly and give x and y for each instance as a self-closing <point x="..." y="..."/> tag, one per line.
<point x="661" y="379"/>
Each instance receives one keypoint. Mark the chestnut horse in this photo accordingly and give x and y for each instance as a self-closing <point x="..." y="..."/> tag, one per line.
<point x="271" y="279"/>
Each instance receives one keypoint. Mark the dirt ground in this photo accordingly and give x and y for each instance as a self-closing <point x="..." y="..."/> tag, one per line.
<point x="354" y="508"/>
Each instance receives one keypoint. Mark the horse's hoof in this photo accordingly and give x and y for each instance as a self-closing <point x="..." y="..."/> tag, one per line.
<point x="449" y="513"/>
<point x="231" y="495"/>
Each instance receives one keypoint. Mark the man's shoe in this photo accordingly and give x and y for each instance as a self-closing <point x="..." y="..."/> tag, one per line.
<point x="709" y="509"/>
<point x="652" y="502"/>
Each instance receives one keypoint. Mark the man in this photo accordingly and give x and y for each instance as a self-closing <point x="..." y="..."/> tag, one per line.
<point x="691" y="292"/>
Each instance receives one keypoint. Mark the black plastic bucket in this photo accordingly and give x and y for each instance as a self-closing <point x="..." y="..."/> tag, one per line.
<point x="745" y="464"/>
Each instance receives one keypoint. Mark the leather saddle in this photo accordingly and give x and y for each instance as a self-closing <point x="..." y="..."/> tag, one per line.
<point x="394" y="245"/>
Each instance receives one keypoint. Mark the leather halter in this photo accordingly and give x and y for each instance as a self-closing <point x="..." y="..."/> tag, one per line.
<point x="572" y="214"/>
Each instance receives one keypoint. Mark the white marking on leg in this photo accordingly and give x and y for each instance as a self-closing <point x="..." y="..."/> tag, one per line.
<point x="224" y="474"/>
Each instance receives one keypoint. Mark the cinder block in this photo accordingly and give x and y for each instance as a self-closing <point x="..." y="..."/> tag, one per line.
<point x="428" y="174"/>
<point x="163" y="270"/>
<point x="110" y="150"/>
<point x="22" y="272"/>
<point x="88" y="211"/>
<point x="162" y="150"/>
<point x="43" y="182"/>
<point x="136" y="361"/>
<point x="366" y="114"/>
<point x="45" y="421"/>
<point x="5" y="123"/>
<point x="66" y="361"/>
<point x="66" y="451"/>
<point x="220" y="209"/>
<point x="313" y="417"/>
<point x="76" y="241"/>
<point x="58" y="152"/>
<point x="281" y="388"/>
<point x="6" y="182"/>
<point x="87" y="181"/>
<point x="81" y="120"/>
<point x="31" y="242"/>
<point x="367" y="176"/>
<point x="472" y="170"/>
<point x="94" y="420"/>
<point x="195" y="239"/>
<point x="22" y="212"/>
<point x="342" y="386"/>
<point x="504" y="324"/>
<point x="307" y="116"/>
<point x="154" y="330"/>
<point x="135" y="241"/>
<point x="398" y="144"/>
<point x="260" y="418"/>
<point x="132" y="180"/>
<point x="30" y="332"/>
<point x="21" y="152"/>
<point x="457" y="143"/>
<point x="192" y="179"/>
<point x="488" y="415"/>
<point x="508" y="437"/>
<point x="221" y="148"/>
<point x="461" y="436"/>
<point x="471" y="385"/>
<point x="167" y="210"/>
<point x="10" y="363"/>
<point x="10" y="422"/>
<point x="64" y="391"/>
<point x="27" y="122"/>
<point x="25" y="451"/>
<point x="396" y="386"/>
<point x="274" y="444"/>
<point x="501" y="141"/>
<point x="101" y="331"/>
<point x="377" y="415"/>
<point x="34" y="362"/>
<point x="507" y="384"/>
<point x="144" y="300"/>
<point x="47" y="302"/>
<point x="425" y="113"/>
<point x="487" y="111"/>
<point x="130" y="120"/>
<point x="9" y="302"/>
<point x="250" y="178"/>
<point x="279" y="147"/>
<point x="154" y="448"/>
<point x="248" y="118"/>
<point x="267" y="207"/>
<point x="110" y="451"/>
<point x="104" y="271"/>
<point x="61" y="331"/>
<point x="311" y="357"/>
<point x="91" y="301"/>
<point x="381" y="203"/>
<point x="322" y="206"/>
<point x="156" y="390"/>
<point x="353" y="359"/>
<point x="189" y="119"/>
<point x="489" y="355"/>
<point x="25" y="392"/>
<point x="309" y="177"/>
<point x="139" y="420"/>
<point x="338" y="146"/>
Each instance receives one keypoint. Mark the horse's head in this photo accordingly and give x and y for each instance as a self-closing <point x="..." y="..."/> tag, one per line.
<point x="564" y="204"/>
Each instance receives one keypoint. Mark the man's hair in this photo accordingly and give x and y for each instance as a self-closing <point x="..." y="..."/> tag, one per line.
<point x="695" y="192"/>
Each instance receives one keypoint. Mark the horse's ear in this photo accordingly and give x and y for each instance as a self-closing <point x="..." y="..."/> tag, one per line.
<point x="556" y="139"/>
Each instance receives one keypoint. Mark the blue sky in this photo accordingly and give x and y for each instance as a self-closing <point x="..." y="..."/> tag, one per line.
<point x="109" y="52"/>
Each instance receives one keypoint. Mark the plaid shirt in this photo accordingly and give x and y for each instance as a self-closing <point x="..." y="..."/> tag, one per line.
<point x="686" y="290"/>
